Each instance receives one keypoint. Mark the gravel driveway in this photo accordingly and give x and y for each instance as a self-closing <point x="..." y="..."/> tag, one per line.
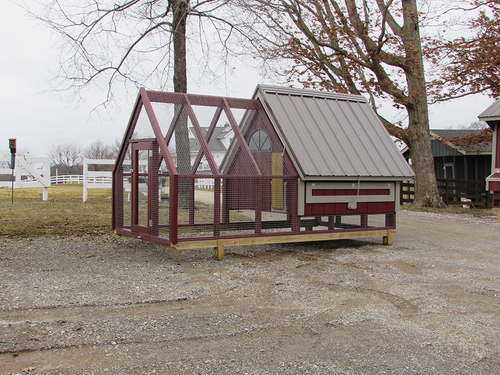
<point x="430" y="304"/>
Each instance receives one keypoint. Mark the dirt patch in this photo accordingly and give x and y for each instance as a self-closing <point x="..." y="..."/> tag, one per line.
<point x="107" y="304"/>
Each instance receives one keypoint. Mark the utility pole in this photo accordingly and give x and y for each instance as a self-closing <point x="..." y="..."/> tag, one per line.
<point x="12" y="146"/>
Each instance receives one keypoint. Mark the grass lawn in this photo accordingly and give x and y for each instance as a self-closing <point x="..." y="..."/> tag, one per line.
<point x="63" y="214"/>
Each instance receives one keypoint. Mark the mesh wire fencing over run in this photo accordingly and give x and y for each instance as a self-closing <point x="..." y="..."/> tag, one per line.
<point x="228" y="145"/>
<point x="201" y="167"/>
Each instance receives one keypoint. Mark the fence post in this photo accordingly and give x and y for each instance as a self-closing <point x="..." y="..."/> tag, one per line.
<point x="446" y="190"/>
<point x="85" y="170"/>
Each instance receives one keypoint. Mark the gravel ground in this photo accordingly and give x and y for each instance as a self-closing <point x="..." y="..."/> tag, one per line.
<point x="429" y="304"/>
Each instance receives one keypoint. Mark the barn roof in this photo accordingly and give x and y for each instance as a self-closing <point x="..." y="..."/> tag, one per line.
<point x="215" y="144"/>
<point x="492" y="113"/>
<point x="439" y="134"/>
<point x="332" y="135"/>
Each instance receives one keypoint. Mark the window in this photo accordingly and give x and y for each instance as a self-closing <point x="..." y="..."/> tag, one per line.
<point x="259" y="141"/>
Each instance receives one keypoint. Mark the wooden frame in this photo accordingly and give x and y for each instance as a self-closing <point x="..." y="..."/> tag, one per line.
<point x="258" y="182"/>
<point x="219" y="244"/>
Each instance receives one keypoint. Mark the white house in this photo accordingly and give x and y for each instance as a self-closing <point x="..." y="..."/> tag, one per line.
<point x="218" y="144"/>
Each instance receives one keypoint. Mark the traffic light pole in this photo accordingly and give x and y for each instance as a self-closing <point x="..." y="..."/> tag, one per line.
<point x="12" y="146"/>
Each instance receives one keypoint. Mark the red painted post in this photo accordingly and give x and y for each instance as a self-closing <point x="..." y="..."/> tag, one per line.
<point x="331" y="223"/>
<point x="217" y="207"/>
<point x="135" y="183"/>
<point x="294" y="208"/>
<point x="258" y="206"/>
<point x="390" y="220"/>
<point x="191" y="201"/>
<point x="174" y="204"/>
<point x="364" y="221"/>
<point x="154" y="181"/>
<point x="225" y="197"/>
<point x="117" y="198"/>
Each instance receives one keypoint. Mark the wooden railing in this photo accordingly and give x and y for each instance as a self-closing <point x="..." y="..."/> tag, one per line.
<point x="454" y="192"/>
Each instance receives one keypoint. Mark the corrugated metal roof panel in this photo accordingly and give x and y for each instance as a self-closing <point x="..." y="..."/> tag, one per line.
<point x="491" y="113"/>
<point x="332" y="135"/>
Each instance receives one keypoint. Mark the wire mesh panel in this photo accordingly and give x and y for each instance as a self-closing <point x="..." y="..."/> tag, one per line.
<point x="143" y="129"/>
<point x="141" y="188"/>
<point x="231" y="207"/>
<point x="347" y="222"/>
<point x="240" y="207"/>
<point x="164" y="205"/>
<point x="195" y="214"/>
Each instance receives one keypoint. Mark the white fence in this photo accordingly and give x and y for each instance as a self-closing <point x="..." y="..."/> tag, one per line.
<point x="67" y="179"/>
<point x="103" y="179"/>
<point x="96" y="179"/>
<point x="28" y="173"/>
<point x="204" y="183"/>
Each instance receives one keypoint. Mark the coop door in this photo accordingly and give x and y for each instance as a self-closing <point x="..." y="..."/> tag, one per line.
<point x="277" y="186"/>
<point x="141" y="187"/>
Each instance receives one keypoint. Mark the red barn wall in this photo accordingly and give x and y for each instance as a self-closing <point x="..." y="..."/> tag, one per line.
<point x="332" y="198"/>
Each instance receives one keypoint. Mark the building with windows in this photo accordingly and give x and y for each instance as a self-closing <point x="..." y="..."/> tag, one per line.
<point x="454" y="160"/>
<point x="491" y="116"/>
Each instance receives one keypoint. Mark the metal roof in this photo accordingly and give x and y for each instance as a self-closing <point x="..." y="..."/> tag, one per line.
<point x="215" y="144"/>
<point x="332" y="135"/>
<point x="492" y="113"/>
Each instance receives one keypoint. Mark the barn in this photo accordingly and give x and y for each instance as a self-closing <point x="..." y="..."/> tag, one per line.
<point x="492" y="117"/>
<point x="302" y="165"/>
<point x="455" y="160"/>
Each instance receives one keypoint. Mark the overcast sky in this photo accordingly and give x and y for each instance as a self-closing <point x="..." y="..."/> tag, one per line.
<point x="39" y="118"/>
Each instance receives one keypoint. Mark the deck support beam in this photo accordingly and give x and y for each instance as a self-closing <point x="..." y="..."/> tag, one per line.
<point x="388" y="239"/>
<point x="219" y="250"/>
<point x="218" y="245"/>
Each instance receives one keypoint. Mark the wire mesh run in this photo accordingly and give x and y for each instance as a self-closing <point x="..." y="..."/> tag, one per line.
<point x="196" y="168"/>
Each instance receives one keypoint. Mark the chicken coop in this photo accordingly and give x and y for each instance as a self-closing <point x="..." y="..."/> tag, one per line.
<point x="288" y="165"/>
<point x="492" y="117"/>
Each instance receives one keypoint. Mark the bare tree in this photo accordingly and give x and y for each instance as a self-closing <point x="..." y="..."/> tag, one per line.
<point x="111" y="44"/>
<point x="98" y="150"/>
<point x="134" y="43"/>
<point x="67" y="157"/>
<point x="115" y="148"/>
<point x="478" y="125"/>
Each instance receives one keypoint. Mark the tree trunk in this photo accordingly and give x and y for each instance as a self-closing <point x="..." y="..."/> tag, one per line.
<point x="180" y="13"/>
<point x="419" y="140"/>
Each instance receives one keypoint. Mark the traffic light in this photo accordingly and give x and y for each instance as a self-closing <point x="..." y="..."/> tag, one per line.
<point x="12" y="146"/>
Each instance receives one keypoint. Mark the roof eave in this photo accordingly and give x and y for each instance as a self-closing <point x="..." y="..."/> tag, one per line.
<point x="355" y="178"/>
<point x="276" y="126"/>
<point x="491" y="121"/>
<point x="308" y="92"/>
<point x="489" y="118"/>
<point x="472" y="152"/>
<point x="451" y="145"/>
